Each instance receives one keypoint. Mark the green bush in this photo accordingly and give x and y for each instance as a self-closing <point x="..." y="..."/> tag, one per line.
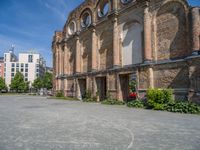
<point x="59" y="94"/>
<point x="136" y="104"/>
<point x="158" y="98"/>
<point x="112" y="102"/>
<point x="88" y="97"/>
<point x="183" y="107"/>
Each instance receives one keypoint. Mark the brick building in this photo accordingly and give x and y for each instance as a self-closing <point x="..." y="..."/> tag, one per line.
<point x="1" y="67"/>
<point x="106" y="43"/>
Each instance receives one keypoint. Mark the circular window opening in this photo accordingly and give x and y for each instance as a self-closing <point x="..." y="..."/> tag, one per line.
<point x="126" y="1"/>
<point x="71" y="28"/>
<point x="103" y="9"/>
<point x="86" y="20"/>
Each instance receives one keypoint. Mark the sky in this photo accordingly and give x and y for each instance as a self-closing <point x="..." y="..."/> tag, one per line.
<point x="30" y="24"/>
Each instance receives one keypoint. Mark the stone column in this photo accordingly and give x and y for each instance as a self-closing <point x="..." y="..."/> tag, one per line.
<point x="66" y="60"/>
<point x="195" y="31"/>
<point x="116" y="60"/>
<point x="56" y="62"/>
<point x="151" y="78"/>
<point x="77" y="57"/>
<point x="60" y="60"/>
<point x="115" y="6"/>
<point x="147" y="35"/>
<point x="94" y="50"/>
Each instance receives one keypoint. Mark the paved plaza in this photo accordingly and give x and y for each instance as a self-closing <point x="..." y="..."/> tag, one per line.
<point x="37" y="123"/>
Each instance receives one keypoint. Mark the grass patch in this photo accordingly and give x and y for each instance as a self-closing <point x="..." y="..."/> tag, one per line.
<point x="112" y="102"/>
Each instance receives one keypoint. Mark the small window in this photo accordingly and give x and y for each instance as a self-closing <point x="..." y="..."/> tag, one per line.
<point x="22" y="69"/>
<point x="17" y="69"/>
<point x="13" y="65"/>
<point x="12" y="74"/>
<point x="86" y="20"/>
<point x="22" y="65"/>
<point x="13" y="70"/>
<point x="26" y="79"/>
<point x="71" y="28"/>
<point x="26" y="65"/>
<point x="17" y="65"/>
<point x="5" y="57"/>
<point x="30" y="58"/>
<point x="26" y="70"/>
<point x="26" y="74"/>
<point x="103" y="9"/>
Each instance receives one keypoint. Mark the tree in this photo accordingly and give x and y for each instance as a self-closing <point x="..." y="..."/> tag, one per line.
<point x="37" y="84"/>
<point x="48" y="81"/>
<point x="18" y="84"/>
<point x="2" y="84"/>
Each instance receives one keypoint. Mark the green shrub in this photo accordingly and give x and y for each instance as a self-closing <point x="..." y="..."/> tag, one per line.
<point x="88" y="97"/>
<point x="183" y="107"/>
<point x="112" y="102"/>
<point x="158" y="98"/>
<point x="59" y="94"/>
<point x="136" y="104"/>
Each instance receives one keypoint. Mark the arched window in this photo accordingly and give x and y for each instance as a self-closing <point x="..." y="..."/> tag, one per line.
<point x="86" y="20"/>
<point x="104" y="8"/>
<point x="132" y="43"/>
<point x="72" y="28"/>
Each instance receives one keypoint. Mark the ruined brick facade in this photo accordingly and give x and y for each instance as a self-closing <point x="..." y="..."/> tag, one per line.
<point x="106" y="43"/>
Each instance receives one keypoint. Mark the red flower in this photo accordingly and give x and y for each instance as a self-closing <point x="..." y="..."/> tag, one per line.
<point x="132" y="95"/>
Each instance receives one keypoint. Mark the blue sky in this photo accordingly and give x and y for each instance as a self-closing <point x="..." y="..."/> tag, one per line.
<point x="30" y="24"/>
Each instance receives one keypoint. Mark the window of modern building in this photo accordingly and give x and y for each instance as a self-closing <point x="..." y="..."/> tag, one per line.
<point x="5" y="57"/>
<point x="17" y="64"/>
<point x="37" y="70"/>
<point x="17" y="69"/>
<point x="22" y="69"/>
<point x="26" y="79"/>
<point x="26" y="65"/>
<point x="26" y="70"/>
<point x="30" y="58"/>
<point x="26" y="74"/>
<point x="12" y="74"/>
<point x="13" y="64"/>
<point x="13" y="70"/>
<point x="22" y="65"/>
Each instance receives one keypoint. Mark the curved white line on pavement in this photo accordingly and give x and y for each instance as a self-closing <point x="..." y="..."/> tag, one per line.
<point x="132" y="138"/>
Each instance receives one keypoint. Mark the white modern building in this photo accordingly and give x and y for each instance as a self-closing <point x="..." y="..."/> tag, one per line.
<point x="30" y="64"/>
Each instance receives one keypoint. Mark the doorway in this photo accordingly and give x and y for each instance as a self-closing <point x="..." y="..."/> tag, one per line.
<point x="101" y="87"/>
<point x="82" y="86"/>
<point x="124" y="83"/>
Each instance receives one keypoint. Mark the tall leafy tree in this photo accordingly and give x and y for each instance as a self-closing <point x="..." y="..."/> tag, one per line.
<point x="37" y="84"/>
<point x="18" y="84"/>
<point x="48" y="81"/>
<point x="2" y="84"/>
